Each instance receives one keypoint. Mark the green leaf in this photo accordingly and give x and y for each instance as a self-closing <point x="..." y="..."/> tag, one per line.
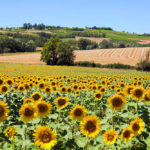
<point x="81" y="142"/>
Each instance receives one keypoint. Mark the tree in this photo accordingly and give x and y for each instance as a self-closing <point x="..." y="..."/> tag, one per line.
<point x="56" y="52"/>
<point x="83" y="43"/>
<point x="65" y="54"/>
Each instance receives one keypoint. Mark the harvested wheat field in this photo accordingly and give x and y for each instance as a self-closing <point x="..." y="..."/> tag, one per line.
<point x="129" y="56"/>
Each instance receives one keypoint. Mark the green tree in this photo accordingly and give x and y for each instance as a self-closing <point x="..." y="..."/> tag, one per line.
<point x="65" y="54"/>
<point x="56" y="52"/>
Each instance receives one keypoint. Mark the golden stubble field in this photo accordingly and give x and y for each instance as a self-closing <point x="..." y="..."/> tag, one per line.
<point x="130" y="56"/>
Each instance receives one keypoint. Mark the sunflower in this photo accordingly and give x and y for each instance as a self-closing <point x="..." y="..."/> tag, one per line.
<point x="69" y="90"/>
<point x="21" y="88"/>
<point x="41" y="85"/>
<point x="61" y="102"/>
<point x="27" y="100"/>
<point x="110" y="136"/>
<point x="137" y="126"/>
<point x="1" y="81"/>
<point x="4" y="89"/>
<point x="9" y="82"/>
<point x="44" y="108"/>
<point x="26" y="86"/>
<point x="47" y="89"/>
<point x="98" y="96"/>
<point x="63" y="89"/>
<point x="78" y="112"/>
<point x="128" y="90"/>
<point x="45" y="137"/>
<point x="103" y="89"/>
<point x="54" y="88"/>
<point x="147" y="97"/>
<point x="116" y="102"/>
<point x="36" y="96"/>
<point x="77" y="92"/>
<point x="28" y="112"/>
<point x="90" y="126"/>
<point x="4" y="111"/>
<point x="138" y="93"/>
<point x="126" y="134"/>
<point x="10" y="132"/>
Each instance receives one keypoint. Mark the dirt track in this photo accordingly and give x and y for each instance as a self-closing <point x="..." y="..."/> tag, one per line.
<point x="129" y="56"/>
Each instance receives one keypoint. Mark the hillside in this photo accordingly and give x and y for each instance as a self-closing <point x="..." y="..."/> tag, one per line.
<point x="71" y="33"/>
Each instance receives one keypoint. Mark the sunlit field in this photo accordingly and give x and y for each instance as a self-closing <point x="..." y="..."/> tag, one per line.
<point x="73" y="108"/>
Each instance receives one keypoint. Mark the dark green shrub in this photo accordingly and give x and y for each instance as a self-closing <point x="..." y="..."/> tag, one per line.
<point x="106" y="44"/>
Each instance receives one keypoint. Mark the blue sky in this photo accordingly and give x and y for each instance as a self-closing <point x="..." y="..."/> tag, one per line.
<point x="122" y="15"/>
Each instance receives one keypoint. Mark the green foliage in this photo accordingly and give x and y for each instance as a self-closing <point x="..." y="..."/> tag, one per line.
<point x="84" y="44"/>
<point x="56" y="52"/>
<point x="144" y="65"/>
<point x="112" y="66"/>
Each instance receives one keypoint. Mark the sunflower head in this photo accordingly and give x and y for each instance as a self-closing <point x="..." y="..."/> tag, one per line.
<point x="127" y="134"/>
<point x="69" y="90"/>
<point x="128" y="90"/>
<point x="138" y="93"/>
<point x="4" y="111"/>
<point x="28" y="112"/>
<point x="90" y="126"/>
<point x="4" y="89"/>
<point x="27" y="100"/>
<point x="137" y="126"/>
<point x="98" y="96"/>
<point x="61" y="102"/>
<point x="78" y="112"/>
<point x="47" y="89"/>
<point x="77" y="92"/>
<point x="45" y="137"/>
<point x="41" y="85"/>
<point x="147" y="97"/>
<point x="10" y="132"/>
<point x="110" y="136"/>
<point x="117" y="102"/>
<point x="44" y="108"/>
<point x="36" y="96"/>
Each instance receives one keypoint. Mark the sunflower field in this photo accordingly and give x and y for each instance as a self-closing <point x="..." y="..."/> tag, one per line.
<point x="73" y="108"/>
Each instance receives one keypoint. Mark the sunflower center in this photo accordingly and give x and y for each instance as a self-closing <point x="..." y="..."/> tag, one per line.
<point x="117" y="102"/>
<point x="4" y="89"/>
<point x="47" y="89"/>
<point x="102" y="89"/>
<point x="1" y="81"/>
<point x="28" y="112"/>
<point x="98" y="95"/>
<point x="1" y="111"/>
<point x="36" y="97"/>
<point x="78" y="112"/>
<point x="135" y="127"/>
<point x="46" y="137"/>
<point x="9" y="82"/>
<point x="90" y="126"/>
<point x="61" y="102"/>
<point x="41" y="85"/>
<point x="21" y="88"/>
<point x="138" y="93"/>
<point x="63" y="89"/>
<point x="42" y="108"/>
<point x="110" y="137"/>
<point x="129" y="90"/>
<point x="126" y="134"/>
